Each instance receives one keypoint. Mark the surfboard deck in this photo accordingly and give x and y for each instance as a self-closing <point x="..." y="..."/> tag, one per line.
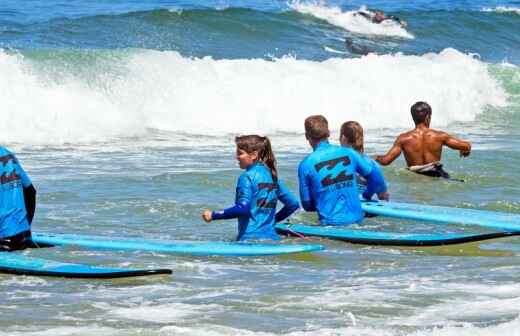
<point x="14" y="263"/>
<point x="439" y="214"/>
<point x="175" y="247"/>
<point x="355" y="236"/>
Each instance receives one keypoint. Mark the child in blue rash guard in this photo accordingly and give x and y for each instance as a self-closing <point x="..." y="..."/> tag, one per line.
<point x="258" y="190"/>
<point x="351" y="135"/>
<point x="17" y="203"/>
<point x="327" y="177"/>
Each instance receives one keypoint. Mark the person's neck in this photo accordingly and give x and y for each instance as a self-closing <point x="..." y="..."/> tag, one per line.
<point x="421" y="126"/>
<point x="315" y="143"/>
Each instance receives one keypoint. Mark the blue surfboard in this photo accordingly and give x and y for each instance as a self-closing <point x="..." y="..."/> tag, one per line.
<point x="174" y="247"/>
<point x="14" y="263"/>
<point x="386" y="238"/>
<point x="439" y="214"/>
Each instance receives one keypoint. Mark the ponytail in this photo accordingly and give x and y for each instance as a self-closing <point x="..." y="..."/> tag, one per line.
<point x="268" y="158"/>
<point x="261" y="145"/>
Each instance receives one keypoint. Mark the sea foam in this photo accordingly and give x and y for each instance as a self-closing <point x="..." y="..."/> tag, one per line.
<point x="168" y="92"/>
<point x="348" y="20"/>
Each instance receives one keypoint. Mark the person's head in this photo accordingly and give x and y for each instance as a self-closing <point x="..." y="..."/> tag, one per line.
<point x="348" y="42"/>
<point x="352" y="135"/>
<point x="421" y="113"/>
<point x="379" y="16"/>
<point x="254" y="148"/>
<point x="316" y="129"/>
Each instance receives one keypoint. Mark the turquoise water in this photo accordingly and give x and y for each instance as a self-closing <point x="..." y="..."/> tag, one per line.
<point x="124" y="114"/>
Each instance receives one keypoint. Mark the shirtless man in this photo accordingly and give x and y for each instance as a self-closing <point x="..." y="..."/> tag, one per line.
<point x="422" y="146"/>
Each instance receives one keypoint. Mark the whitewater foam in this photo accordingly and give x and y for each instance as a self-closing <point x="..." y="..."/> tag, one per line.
<point x="502" y="9"/>
<point x="168" y="92"/>
<point x="348" y="20"/>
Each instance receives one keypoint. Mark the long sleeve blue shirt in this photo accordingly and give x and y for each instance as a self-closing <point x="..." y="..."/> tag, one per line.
<point x="328" y="183"/>
<point x="256" y="198"/>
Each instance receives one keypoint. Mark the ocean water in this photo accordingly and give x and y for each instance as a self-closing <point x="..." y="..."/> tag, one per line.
<point x="124" y="112"/>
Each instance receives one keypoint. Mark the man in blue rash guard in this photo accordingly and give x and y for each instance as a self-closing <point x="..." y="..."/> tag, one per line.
<point x="17" y="203"/>
<point x="351" y="135"/>
<point x="258" y="190"/>
<point x="327" y="177"/>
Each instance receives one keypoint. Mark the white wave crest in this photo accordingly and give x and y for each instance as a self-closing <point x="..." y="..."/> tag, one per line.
<point x="348" y="20"/>
<point x="165" y="91"/>
<point x="502" y="9"/>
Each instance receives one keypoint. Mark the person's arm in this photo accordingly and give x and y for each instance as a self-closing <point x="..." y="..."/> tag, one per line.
<point x="289" y="201"/>
<point x="29" y="196"/>
<point x="376" y="183"/>
<point x="308" y="203"/>
<point x="462" y="146"/>
<point x="242" y="205"/>
<point x="29" y="192"/>
<point x="391" y="155"/>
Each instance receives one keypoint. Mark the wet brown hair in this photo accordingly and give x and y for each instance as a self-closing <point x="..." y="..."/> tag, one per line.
<point x="353" y="133"/>
<point x="256" y="143"/>
<point x="317" y="128"/>
<point x="420" y="111"/>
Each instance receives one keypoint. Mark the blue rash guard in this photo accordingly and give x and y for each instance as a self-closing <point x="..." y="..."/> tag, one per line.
<point x="328" y="184"/>
<point x="255" y="204"/>
<point x="377" y="183"/>
<point x="13" y="215"/>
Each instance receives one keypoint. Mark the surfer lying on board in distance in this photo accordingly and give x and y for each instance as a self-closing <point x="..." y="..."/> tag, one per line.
<point x="356" y="48"/>
<point x="379" y="17"/>
<point x="17" y="203"/>
<point x="258" y="191"/>
<point x="351" y="135"/>
<point x="327" y="177"/>
<point x="422" y="146"/>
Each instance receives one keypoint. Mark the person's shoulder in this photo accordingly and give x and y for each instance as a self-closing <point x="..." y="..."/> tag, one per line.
<point x="4" y="151"/>
<point x="437" y="133"/>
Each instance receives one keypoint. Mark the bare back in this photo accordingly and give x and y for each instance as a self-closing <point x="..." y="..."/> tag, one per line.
<point x="423" y="145"/>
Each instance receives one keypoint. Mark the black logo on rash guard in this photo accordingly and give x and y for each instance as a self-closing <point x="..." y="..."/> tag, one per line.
<point x="265" y="203"/>
<point x="269" y="186"/>
<point x="342" y="177"/>
<point x="6" y="158"/>
<point x="330" y="165"/>
<point x="9" y="178"/>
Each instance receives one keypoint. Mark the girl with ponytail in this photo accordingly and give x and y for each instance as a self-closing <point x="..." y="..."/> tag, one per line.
<point x="258" y="191"/>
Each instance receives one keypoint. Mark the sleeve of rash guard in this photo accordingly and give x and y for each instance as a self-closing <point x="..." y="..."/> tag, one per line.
<point x="242" y="201"/>
<point x="26" y="181"/>
<point x="305" y="189"/>
<point x="363" y="167"/>
<point x="289" y="201"/>
<point x="376" y="181"/>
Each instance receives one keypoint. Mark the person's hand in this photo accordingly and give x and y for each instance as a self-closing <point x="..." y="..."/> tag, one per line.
<point x="464" y="153"/>
<point x="384" y="196"/>
<point x="206" y="215"/>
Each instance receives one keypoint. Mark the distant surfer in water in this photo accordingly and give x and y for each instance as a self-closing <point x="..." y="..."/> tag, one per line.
<point x="327" y="177"/>
<point x="380" y="17"/>
<point x="355" y="48"/>
<point x="257" y="193"/>
<point x="17" y="203"/>
<point x="422" y="146"/>
<point x="351" y="135"/>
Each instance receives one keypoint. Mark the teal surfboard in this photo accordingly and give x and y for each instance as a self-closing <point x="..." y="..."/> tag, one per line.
<point x="14" y="263"/>
<point x="175" y="247"/>
<point x="439" y="214"/>
<point x="386" y="238"/>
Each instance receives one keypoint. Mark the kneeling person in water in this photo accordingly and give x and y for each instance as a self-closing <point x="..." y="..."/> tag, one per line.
<point x="257" y="193"/>
<point x="17" y="203"/>
<point x="352" y="136"/>
<point x="327" y="177"/>
<point x="422" y="146"/>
